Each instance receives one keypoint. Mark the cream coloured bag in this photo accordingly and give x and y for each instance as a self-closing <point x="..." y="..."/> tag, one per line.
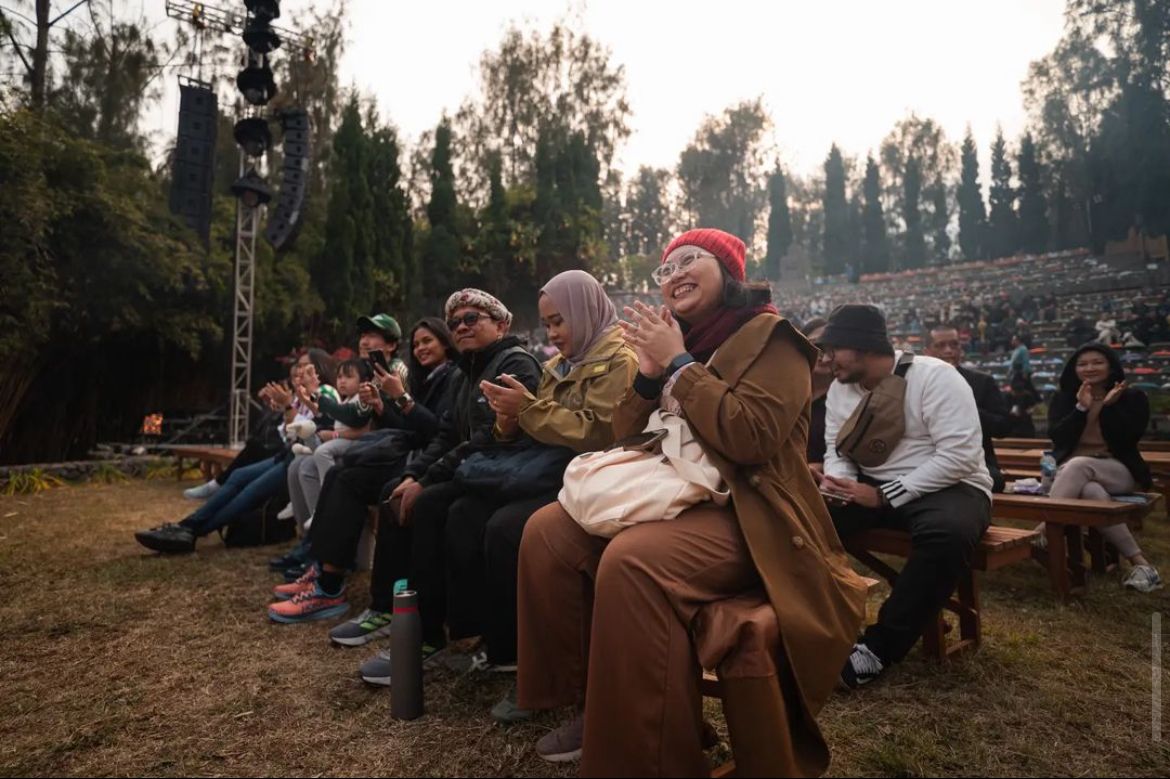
<point x="606" y="492"/>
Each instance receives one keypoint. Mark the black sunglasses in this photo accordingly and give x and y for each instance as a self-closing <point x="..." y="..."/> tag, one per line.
<point x="469" y="319"/>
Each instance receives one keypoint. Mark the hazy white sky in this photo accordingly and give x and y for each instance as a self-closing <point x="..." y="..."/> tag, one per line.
<point x="828" y="70"/>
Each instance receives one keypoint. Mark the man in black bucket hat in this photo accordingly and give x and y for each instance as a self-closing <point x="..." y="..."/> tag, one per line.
<point x="904" y="450"/>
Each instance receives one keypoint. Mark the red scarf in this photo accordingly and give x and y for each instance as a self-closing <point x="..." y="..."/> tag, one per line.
<point x="702" y="341"/>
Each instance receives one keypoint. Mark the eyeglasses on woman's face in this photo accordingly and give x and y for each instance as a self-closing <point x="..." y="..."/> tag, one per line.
<point x="667" y="270"/>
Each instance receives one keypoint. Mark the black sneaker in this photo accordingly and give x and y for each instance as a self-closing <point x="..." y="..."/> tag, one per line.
<point x="293" y="559"/>
<point x="862" y="667"/>
<point x="168" y="539"/>
<point x="296" y="572"/>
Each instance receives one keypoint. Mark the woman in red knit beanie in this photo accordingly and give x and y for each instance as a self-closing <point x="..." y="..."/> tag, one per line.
<point x="622" y="625"/>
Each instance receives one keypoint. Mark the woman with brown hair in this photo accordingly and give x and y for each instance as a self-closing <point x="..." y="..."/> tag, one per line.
<point x="608" y="623"/>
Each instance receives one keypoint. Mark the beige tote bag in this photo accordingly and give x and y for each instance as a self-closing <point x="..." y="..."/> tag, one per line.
<point x="606" y="492"/>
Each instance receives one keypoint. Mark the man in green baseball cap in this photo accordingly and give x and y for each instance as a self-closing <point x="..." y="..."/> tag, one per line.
<point x="371" y="327"/>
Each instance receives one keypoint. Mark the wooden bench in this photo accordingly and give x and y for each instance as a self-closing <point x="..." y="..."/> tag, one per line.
<point x="999" y="548"/>
<point x="212" y="459"/>
<point x="1065" y="522"/>
<point x="1042" y="444"/>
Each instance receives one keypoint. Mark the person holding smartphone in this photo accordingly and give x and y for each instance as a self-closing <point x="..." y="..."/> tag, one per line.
<point x="933" y="481"/>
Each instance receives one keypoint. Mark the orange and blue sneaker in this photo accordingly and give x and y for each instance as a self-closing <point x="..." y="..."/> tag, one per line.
<point x="294" y="588"/>
<point x="311" y="604"/>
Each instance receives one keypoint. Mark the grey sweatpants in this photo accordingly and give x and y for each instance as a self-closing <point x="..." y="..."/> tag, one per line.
<point x="306" y="474"/>
<point x="1096" y="478"/>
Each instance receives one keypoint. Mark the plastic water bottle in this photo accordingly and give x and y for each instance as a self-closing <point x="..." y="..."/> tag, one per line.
<point x="1047" y="471"/>
<point x="406" y="687"/>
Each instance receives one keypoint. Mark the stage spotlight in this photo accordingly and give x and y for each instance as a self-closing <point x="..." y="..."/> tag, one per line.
<point x="251" y="189"/>
<point x="259" y="36"/>
<point x="253" y="136"/>
<point x="256" y="81"/>
<point x="267" y="9"/>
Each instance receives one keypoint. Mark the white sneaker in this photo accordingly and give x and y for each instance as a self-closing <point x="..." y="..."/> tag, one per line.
<point x="203" y="491"/>
<point x="286" y="512"/>
<point x="1143" y="578"/>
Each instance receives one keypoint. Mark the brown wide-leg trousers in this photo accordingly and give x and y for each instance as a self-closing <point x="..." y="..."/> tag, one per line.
<point x="609" y="620"/>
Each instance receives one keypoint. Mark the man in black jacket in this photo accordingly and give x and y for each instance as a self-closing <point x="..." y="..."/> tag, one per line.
<point x="994" y="414"/>
<point x="429" y="492"/>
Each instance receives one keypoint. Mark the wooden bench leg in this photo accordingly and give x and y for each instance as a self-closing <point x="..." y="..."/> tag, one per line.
<point x="970" y="615"/>
<point x="1057" y="559"/>
<point x="1097" y="553"/>
<point x="934" y="639"/>
<point x="1078" y="574"/>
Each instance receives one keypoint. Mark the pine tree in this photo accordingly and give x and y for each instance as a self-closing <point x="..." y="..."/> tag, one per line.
<point x="440" y="257"/>
<point x="915" y="240"/>
<point x="779" y="226"/>
<point x="940" y="220"/>
<point x="342" y="272"/>
<point x="972" y="214"/>
<point x="876" y="245"/>
<point x="1001" y="222"/>
<point x="836" y="240"/>
<point x="1033" y="207"/>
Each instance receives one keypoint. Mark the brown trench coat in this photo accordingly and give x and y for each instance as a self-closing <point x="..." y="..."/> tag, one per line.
<point x="750" y="412"/>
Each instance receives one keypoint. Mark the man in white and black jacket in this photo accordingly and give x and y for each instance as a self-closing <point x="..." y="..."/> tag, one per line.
<point x="934" y="484"/>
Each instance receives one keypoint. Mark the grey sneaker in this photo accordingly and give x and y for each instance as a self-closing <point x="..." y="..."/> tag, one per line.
<point x="563" y="745"/>
<point x="1143" y="578"/>
<point x="203" y="491"/>
<point x="506" y="712"/>
<point x="376" y="670"/>
<point x="168" y="539"/>
<point x="362" y="629"/>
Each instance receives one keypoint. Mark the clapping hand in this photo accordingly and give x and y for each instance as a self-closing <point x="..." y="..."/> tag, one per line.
<point x="279" y="396"/>
<point x="307" y="401"/>
<point x="654" y="335"/>
<point x="1115" y="393"/>
<point x="1085" y="395"/>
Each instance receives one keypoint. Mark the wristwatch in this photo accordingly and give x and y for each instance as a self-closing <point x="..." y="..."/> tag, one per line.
<point x="403" y="401"/>
<point x="677" y="364"/>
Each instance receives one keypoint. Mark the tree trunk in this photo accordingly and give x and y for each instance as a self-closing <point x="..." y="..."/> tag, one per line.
<point x="40" y="63"/>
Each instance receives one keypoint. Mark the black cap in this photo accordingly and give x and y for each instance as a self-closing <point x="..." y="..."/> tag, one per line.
<point x="860" y="327"/>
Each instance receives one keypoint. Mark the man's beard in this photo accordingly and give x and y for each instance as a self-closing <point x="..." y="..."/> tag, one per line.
<point x="853" y="377"/>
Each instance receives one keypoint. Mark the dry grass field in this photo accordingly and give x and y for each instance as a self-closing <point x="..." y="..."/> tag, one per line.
<point x="119" y="662"/>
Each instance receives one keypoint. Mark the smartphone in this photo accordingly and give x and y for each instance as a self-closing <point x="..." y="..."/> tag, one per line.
<point x="641" y="442"/>
<point x="377" y="359"/>
<point x="835" y="498"/>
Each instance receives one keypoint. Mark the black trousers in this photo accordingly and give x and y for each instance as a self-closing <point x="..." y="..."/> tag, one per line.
<point x="945" y="527"/>
<point x="346" y="495"/>
<point x="483" y="560"/>
<point x="417" y="552"/>
<point x="253" y="452"/>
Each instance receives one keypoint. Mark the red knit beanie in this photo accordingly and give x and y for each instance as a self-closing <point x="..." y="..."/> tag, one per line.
<point x="728" y="249"/>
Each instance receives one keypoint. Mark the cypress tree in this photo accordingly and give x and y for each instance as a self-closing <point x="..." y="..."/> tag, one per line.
<point x="836" y="240"/>
<point x="779" y="226"/>
<point x="972" y="214"/>
<point x="440" y="258"/>
<point x="1001" y="227"/>
<point x="1033" y="208"/>
<point x="915" y="243"/>
<point x="876" y="246"/>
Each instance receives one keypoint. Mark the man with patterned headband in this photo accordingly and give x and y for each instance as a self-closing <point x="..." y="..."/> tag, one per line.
<point x="479" y="324"/>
